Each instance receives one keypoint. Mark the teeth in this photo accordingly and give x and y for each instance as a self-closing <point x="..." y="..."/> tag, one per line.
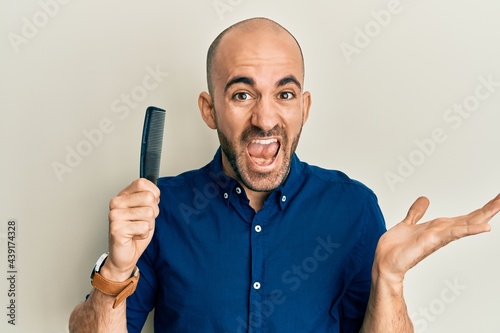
<point x="265" y="142"/>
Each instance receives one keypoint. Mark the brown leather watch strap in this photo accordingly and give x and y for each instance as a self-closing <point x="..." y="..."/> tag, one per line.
<point x="121" y="290"/>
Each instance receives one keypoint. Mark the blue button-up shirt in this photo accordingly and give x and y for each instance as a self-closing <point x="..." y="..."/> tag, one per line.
<point x="302" y="263"/>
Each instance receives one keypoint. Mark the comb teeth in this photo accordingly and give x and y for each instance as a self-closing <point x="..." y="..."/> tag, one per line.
<point x="152" y="139"/>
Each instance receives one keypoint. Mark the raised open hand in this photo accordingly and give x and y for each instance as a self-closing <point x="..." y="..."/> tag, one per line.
<point x="408" y="243"/>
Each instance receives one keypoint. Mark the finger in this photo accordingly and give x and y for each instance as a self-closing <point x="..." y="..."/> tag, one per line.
<point x="136" y="199"/>
<point x="134" y="214"/>
<point x="124" y="231"/>
<point x="140" y="185"/>
<point x="465" y="230"/>
<point x="486" y="213"/>
<point x="417" y="210"/>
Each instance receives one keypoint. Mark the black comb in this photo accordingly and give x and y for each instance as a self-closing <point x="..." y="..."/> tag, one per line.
<point x="152" y="139"/>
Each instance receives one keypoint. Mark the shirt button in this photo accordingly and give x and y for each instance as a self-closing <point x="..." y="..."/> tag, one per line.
<point x="238" y="190"/>
<point x="258" y="228"/>
<point x="256" y="285"/>
<point x="226" y="195"/>
<point x="283" y="198"/>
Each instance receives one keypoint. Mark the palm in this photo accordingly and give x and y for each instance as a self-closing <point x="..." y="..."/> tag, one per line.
<point x="407" y="243"/>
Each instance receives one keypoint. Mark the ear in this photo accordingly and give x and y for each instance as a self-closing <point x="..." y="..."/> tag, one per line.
<point x="306" y="105"/>
<point x="205" y="104"/>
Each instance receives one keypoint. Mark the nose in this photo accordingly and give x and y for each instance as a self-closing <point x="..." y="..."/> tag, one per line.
<point x="264" y="114"/>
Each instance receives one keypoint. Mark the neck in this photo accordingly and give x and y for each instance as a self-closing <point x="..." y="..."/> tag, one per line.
<point x="256" y="198"/>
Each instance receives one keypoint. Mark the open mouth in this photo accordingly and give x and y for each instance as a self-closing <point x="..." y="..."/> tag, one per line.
<point x="263" y="152"/>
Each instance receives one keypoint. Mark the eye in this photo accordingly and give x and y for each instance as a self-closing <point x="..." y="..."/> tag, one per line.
<point x="241" y="96"/>
<point x="286" y="95"/>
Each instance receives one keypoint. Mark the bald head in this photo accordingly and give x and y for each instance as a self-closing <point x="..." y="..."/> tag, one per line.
<point x="248" y="26"/>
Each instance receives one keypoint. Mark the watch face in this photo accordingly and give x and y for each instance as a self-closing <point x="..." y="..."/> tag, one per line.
<point x="100" y="261"/>
<point x="135" y="273"/>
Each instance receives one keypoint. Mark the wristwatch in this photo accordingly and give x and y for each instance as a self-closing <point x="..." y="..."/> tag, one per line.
<point x="120" y="290"/>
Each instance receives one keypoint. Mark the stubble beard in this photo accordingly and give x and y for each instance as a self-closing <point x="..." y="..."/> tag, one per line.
<point x="251" y="179"/>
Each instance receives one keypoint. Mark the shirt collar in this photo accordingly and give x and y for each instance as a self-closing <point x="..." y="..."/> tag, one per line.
<point x="229" y="186"/>
<point x="287" y="190"/>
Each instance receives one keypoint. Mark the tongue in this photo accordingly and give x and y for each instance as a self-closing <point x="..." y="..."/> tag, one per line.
<point x="263" y="154"/>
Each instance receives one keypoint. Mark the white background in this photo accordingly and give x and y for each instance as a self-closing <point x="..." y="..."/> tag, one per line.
<point x="68" y="74"/>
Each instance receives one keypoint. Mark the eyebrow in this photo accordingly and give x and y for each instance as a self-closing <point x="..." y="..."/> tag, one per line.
<point x="249" y="81"/>
<point x="239" y="79"/>
<point x="289" y="79"/>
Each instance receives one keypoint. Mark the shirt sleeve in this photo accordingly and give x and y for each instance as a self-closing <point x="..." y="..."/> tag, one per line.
<point x="142" y="301"/>
<point x="357" y="284"/>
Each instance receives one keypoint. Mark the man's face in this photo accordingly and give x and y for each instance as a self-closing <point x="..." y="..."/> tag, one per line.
<point x="258" y="104"/>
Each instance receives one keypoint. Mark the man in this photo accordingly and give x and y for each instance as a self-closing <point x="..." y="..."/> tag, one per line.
<point x="258" y="241"/>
